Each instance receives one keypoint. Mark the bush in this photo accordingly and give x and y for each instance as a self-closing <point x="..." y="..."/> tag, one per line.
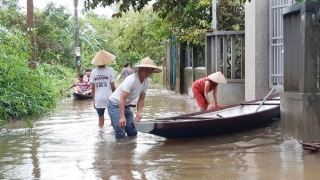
<point x="25" y="92"/>
<point x="157" y="78"/>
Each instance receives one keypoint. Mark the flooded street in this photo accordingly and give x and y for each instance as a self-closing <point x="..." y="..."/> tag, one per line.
<point x="69" y="145"/>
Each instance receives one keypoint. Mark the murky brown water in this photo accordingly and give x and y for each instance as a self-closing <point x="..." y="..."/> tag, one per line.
<point x="69" y="145"/>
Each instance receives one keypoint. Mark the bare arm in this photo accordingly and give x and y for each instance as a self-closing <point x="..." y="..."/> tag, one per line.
<point x="122" y="72"/>
<point x="113" y="87"/>
<point x="123" y="120"/>
<point x="206" y="91"/>
<point x="73" y="85"/>
<point x="140" y="105"/>
<point x="93" y="90"/>
<point x="214" y="93"/>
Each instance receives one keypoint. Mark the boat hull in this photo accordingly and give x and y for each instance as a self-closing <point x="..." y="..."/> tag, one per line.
<point x="81" y="96"/>
<point x="212" y="122"/>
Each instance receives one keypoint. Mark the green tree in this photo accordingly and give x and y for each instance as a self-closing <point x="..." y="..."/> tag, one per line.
<point x="11" y="18"/>
<point x="56" y="36"/>
<point x="94" y="35"/>
<point x="189" y="20"/>
<point x="52" y="35"/>
<point x="137" y="35"/>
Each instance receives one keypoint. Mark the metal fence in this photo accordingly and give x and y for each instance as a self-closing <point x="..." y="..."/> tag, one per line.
<point x="276" y="42"/>
<point x="225" y="53"/>
<point x="194" y="54"/>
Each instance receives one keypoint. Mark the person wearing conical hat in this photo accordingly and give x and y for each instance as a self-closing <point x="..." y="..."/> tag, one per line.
<point x="134" y="86"/>
<point x="102" y="81"/>
<point x="203" y="86"/>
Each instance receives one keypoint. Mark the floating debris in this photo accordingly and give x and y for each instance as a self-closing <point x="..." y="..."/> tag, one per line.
<point x="313" y="146"/>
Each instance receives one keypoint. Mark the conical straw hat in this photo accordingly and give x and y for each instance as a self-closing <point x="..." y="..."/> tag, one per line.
<point x="103" y="58"/>
<point x="148" y="63"/>
<point x="217" y="77"/>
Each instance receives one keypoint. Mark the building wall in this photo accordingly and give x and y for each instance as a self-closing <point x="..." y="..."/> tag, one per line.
<point x="257" y="49"/>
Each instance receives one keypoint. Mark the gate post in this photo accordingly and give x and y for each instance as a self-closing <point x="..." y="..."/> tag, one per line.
<point x="300" y="101"/>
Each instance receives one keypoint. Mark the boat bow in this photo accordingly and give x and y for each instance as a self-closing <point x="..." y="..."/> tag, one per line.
<point x="144" y="126"/>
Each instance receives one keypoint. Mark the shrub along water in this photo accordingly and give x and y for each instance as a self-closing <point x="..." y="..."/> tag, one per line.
<point x="25" y="92"/>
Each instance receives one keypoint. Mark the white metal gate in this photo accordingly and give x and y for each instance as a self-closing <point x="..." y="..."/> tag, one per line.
<point x="276" y="42"/>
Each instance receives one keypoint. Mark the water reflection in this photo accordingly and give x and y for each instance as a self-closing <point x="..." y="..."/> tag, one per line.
<point x="35" y="160"/>
<point x="291" y="159"/>
<point x="68" y="144"/>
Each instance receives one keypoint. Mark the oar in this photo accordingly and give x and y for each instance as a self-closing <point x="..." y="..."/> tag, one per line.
<point x="264" y="99"/>
<point x="62" y="91"/>
<point x="259" y="104"/>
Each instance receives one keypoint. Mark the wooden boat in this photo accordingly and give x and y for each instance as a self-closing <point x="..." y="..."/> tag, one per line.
<point x="81" y="96"/>
<point x="211" y="122"/>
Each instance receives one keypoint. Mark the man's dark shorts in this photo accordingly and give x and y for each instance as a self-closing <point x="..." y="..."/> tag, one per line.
<point x="100" y="111"/>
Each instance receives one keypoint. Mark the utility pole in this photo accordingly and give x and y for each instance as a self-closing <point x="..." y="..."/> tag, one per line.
<point x="77" y="43"/>
<point x="214" y="15"/>
<point x="30" y="27"/>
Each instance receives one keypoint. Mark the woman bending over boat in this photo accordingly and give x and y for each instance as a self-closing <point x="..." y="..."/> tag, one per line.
<point x="203" y="86"/>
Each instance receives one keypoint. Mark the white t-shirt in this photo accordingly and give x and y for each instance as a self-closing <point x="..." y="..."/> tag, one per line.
<point x="102" y="79"/>
<point x="85" y="77"/>
<point x="132" y="86"/>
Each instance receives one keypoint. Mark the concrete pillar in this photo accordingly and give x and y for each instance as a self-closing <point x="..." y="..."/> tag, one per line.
<point x="256" y="49"/>
<point x="300" y="101"/>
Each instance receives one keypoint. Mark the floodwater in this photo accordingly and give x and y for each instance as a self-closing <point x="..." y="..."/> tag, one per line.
<point x="69" y="145"/>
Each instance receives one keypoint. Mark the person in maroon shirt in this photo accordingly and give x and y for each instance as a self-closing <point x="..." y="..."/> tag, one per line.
<point x="203" y="86"/>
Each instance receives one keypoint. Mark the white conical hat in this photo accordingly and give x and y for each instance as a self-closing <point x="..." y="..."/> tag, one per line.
<point x="147" y="62"/>
<point x="103" y="58"/>
<point x="217" y="77"/>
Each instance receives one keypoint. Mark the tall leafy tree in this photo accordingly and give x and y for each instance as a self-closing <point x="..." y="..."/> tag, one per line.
<point x="189" y="19"/>
<point x="11" y="18"/>
<point x="56" y="34"/>
<point x="51" y="35"/>
<point x="136" y="5"/>
<point x="138" y="35"/>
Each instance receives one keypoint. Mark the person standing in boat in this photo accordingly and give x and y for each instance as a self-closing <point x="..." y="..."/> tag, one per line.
<point x="87" y="73"/>
<point x="126" y="71"/>
<point x="102" y="82"/>
<point x="203" y="86"/>
<point x="133" y="86"/>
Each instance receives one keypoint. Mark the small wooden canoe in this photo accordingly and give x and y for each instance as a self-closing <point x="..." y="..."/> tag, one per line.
<point x="81" y="96"/>
<point x="211" y="122"/>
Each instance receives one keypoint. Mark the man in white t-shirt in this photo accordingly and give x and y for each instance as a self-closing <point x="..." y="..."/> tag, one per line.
<point x="135" y="85"/>
<point x="87" y="73"/>
<point x="102" y="81"/>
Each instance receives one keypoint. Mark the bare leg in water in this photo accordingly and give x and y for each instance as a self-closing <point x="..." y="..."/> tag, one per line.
<point x="101" y="121"/>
